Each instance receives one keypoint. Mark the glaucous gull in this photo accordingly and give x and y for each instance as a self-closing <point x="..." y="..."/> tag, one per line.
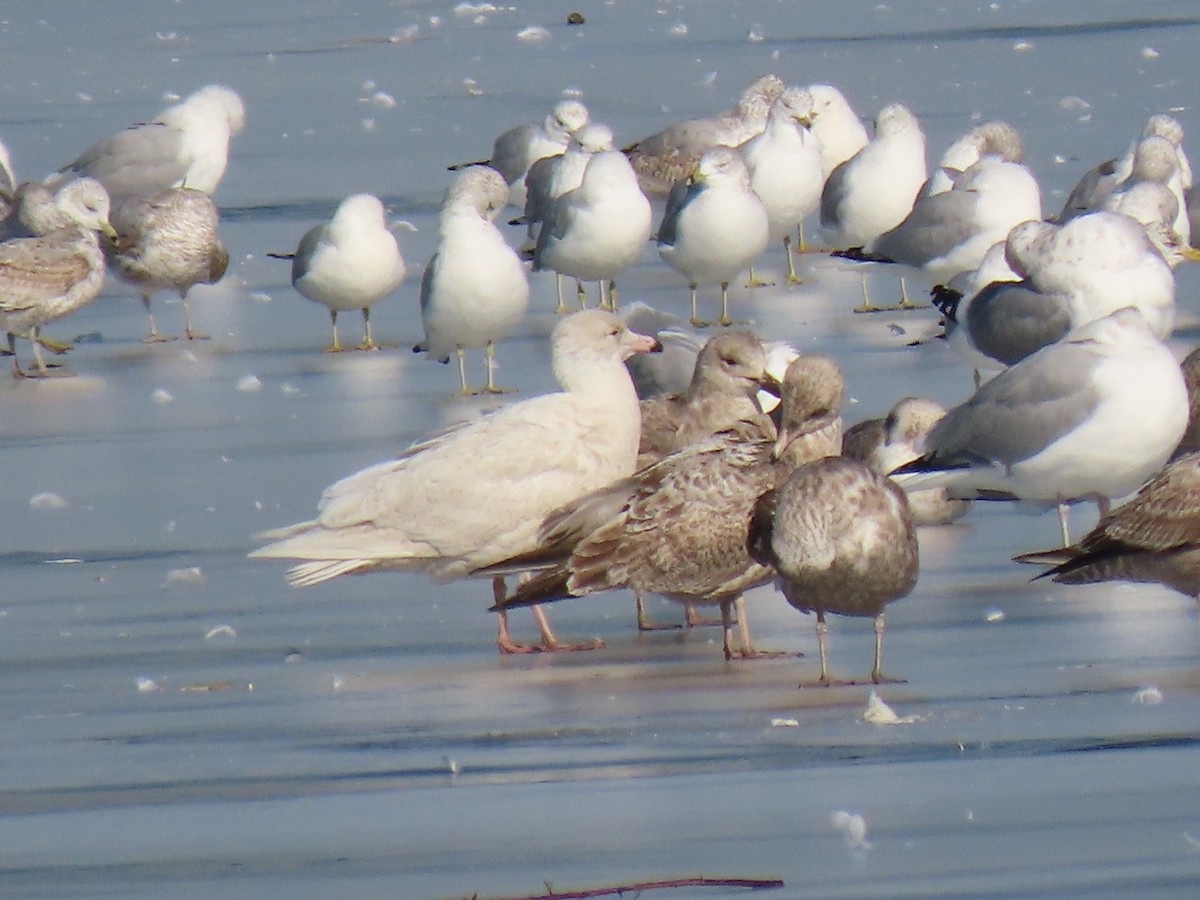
<point x="671" y="155"/>
<point x="477" y="493"/>
<point x="598" y="230"/>
<point x="185" y="145"/>
<point x="840" y="537"/>
<point x="46" y="278"/>
<point x="714" y="226"/>
<point x="167" y="241"/>
<point x="514" y="151"/>
<point x="1089" y="417"/>
<point x="350" y="262"/>
<point x="679" y="527"/>
<point x="474" y="290"/>
<point x="1155" y="537"/>
<point x="785" y="170"/>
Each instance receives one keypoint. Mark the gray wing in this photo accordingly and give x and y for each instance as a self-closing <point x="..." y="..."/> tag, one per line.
<point x="1096" y="184"/>
<point x="537" y="188"/>
<point x="935" y="226"/>
<point x="682" y="193"/>
<point x="139" y="161"/>
<point x="832" y="195"/>
<point x="305" y="250"/>
<point x="556" y="219"/>
<point x="427" y="281"/>
<point x="510" y="152"/>
<point x="1009" y="320"/>
<point x="1021" y="411"/>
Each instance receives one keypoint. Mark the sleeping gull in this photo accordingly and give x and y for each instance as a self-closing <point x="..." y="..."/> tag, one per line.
<point x="350" y="262"/>
<point x="598" y="230"/>
<point x="875" y="189"/>
<point x="898" y="438"/>
<point x="1155" y="537"/>
<point x="46" y="278"/>
<point x="679" y="527"/>
<point x="949" y="232"/>
<point x="841" y="538"/>
<point x="839" y="131"/>
<point x="989" y="139"/>
<point x="1089" y="417"/>
<point x="785" y="170"/>
<point x="552" y="176"/>
<point x="515" y="150"/>
<point x="714" y="226"/>
<point x="477" y="493"/>
<point x="185" y="145"/>
<point x="671" y="155"/>
<point x="474" y="291"/>
<point x="167" y="241"/>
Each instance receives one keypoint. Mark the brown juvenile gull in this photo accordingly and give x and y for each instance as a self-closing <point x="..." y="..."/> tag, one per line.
<point x="1155" y="537"/>
<point x="1191" y="377"/>
<point x="168" y="241"/>
<point x="678" y="527"/>
<point x="672" y="154"/>
<point x="46" y="278"/>
<point x="841" y="538"/>
<point x="478" y="492"/>
<point x="36" y="210"/>
<point x="887" y="443"/>
<point x="809" y="415"/>
<point x="186" y="145"/>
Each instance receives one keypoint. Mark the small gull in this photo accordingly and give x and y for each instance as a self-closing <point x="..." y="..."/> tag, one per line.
<point x="514" y="151"/>
<point x="785" y="169"/>
<point x="474" y="290"/>
<point x="888" y="443"/>
<point x="714" y="226"/>
<point x="350" y="262"/>
<point x="1154" y="537"/>
<point x="46" y="278"/>
<point x="598" y="230"/>
<point x="842" y="540"/>
<point x="167" y="241"/>
<point x="875" y="189"/>
<point x="186" y="145"/>
<point x="1089" y="417"/>
<point x="839" y="131"/>
<point x="679" y="527"/>
<point x="671" y="155"/>
<point x="419" y="512"/>
<point x="989" y="139"/>
<point x="552" y="176"/>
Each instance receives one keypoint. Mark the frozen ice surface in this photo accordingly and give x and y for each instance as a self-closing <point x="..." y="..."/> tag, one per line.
<point x="385" y="750"/>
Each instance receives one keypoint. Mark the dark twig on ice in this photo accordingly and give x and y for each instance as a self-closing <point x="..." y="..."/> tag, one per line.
<point x="618" y="890"/>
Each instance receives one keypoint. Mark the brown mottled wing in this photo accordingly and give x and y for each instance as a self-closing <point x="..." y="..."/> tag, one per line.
<point x="862" y="440"/>
<point x="36" y="269"/>
<point x="1164" y="514"/>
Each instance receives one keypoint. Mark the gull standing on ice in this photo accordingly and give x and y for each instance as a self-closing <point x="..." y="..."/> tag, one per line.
<point x="671" y="155"/>
<point x="350" y="262"/>
<point x="841" y="538"/>
<point x="167" y="241"/>
<point x="186" y="145"/>
<point x="474" y="290"/>
<point x="478" y="492"/>
<point x="1089" y="417"/>
<point x="598" y="230"/>
<point x="552" y="176"/>
<point x="46" y="278"/>
<point x="714" y="226"/>
<point x="517" y="149"/>
<point x="785" y="170"/>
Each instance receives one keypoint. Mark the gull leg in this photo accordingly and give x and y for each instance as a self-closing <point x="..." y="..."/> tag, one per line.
<point x="552" y="644"/>
<point x="189" y="332"/>
<point x="504" y="642"/>
<point x="336" y="346"/>
<point x="754" y="281"/>
<point x="489" y="356"/>
<point x="612" y="295"/>
<point x="747" y="644"/>
<point x="905" y="303"/>
<point x="643" y="623"/>
<point x="562" y="307"/>
<point x="368" y="341"/>
<point x="801" y="244"/>
<point x="462" y="372"/>
<point x="877" y="675"/>
<point x="792" y="277"/>
<point x="696" y="321"/>
<point x="154" y="337"/>
<point x="726" y="628"/>
<point x="581" y="294"/>
<point x="725" y="320"/>
<point x="1064" y="510"/>
<point x="693" y="619"/>
<point x="41" y="369"/>
<point x="867" y="305"/>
